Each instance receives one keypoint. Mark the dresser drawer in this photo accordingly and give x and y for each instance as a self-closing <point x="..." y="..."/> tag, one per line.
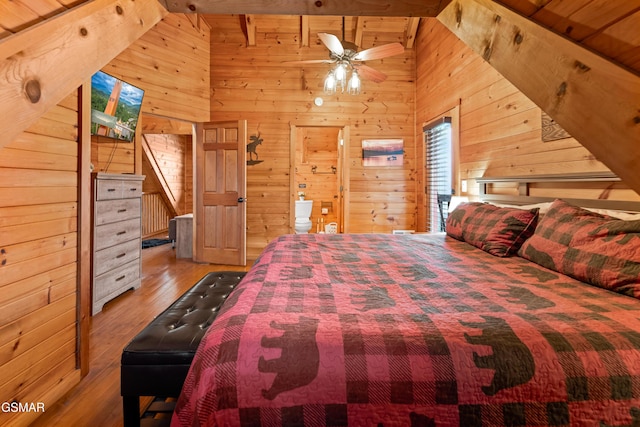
<point x="111" y="189"/>
<point x="117" y="281"/>
<point x="108" y="211"/>
<point x="108" y="189"/>
<point x="131" y="189"/>
<point x="115" y="256"/>
<point x="118" y="232"/>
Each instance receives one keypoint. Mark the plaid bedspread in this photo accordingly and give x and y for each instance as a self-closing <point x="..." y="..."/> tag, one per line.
<point x="413" y="330"/>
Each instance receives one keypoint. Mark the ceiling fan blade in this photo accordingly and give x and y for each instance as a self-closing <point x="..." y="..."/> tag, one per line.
<point x="310" y="61"/>
<point x="332" y="43"/>
<point x="370" y="73"/>
<point x="379" y="52"/>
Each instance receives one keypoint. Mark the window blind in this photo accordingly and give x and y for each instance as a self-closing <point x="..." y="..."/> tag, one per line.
<point x="438" y="163"/>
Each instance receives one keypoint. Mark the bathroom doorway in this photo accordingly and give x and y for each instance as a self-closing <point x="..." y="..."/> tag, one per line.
<point x="318" y="170"/>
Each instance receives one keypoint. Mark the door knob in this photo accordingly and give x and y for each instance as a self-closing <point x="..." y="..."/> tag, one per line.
<point x="242" y="199"/>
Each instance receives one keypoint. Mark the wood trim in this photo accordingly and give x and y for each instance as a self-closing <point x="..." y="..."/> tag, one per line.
<point x="357" y="39"/>
<point x="595" y="100"/>
<point x="293" y="135"/>
<point x="41" y="63"/>
<point x="309" y="7"/>
<point x="249" y="21"/>
<point x="576" y="177"/>
<point x="84" y="229"/>
<point x="523" y="197"/>
<point x="154" y="124"/>
<point x="346" y="179"/>
<point x="454" y="113"/>
<point x="412" y="30"/>
<point x="304" y="31"/>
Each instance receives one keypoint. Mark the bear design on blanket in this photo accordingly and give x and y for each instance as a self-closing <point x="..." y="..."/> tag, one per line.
<point x="299" y="361"/>
<point x="511" y="359"/>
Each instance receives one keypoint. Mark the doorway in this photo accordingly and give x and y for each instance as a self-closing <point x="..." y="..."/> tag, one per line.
<point x="318" y="172"/>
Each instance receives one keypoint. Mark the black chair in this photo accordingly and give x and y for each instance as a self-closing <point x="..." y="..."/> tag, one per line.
<point x="443" y="206"/>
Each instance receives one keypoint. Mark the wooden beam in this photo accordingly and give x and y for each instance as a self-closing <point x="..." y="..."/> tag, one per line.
<point x="154" y="124"/>
<point x="595" y="100"/>
<point x="250" y="23"/>
<point x="309" y="7"/>
<point x="46" y="62"/>
<point x="357" y="38"/>
<point x="412" y="30"/>
<point x="304" y="31"/>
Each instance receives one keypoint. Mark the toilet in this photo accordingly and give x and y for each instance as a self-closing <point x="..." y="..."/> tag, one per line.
<point x="303" y="216"/>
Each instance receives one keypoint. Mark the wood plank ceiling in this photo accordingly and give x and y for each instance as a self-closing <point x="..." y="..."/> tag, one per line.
<point x="608" y="27"/>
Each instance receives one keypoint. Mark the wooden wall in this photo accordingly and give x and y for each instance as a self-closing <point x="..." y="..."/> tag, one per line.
<point x="39" y="261"/>
<point x="39" y="212"/>
<point x="112" y="155"/>
<point x="252" y="83"/>
<point x="500" y="129"/>
<point x="173" y="155"/>
<point x="171" y="64"/>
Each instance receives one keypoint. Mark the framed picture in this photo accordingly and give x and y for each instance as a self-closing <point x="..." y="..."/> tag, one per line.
<point x="382" y="152"/>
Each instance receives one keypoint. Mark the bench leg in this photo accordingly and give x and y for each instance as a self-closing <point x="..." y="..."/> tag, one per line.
<point x="131" y="411"/>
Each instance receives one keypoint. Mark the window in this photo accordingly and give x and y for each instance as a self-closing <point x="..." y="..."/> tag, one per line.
<point x="439" y="172"/>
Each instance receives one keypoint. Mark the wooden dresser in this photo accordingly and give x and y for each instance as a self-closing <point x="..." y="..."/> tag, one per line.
<point x="116" y="236"/>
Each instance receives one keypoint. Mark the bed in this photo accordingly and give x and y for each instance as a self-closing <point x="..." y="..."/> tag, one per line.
<point x="431" y="330"/>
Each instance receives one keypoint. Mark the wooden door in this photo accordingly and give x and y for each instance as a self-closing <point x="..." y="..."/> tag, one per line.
<point x="220" y="193"/>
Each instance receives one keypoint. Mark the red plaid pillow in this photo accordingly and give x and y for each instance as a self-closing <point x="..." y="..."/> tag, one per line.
<point x="588" y="246"/>
<point x="457" y="218"/>
<point x="499" y="231"/>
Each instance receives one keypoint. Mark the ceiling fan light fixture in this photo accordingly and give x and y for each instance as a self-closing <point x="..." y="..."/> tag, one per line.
<point x="330" y="83"/>
<point x="347" y="58"/>
<point x="341" y="72"/>
<point x="354" y="84"/>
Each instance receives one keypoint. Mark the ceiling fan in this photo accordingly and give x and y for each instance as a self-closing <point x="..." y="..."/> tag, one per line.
<point x="346" y="53"/>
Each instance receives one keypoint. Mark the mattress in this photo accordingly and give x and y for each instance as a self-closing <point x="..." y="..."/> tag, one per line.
<point x="423" y="330"/>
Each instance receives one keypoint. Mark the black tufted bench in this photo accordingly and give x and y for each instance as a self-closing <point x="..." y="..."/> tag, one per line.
<point x="156" y="361"/>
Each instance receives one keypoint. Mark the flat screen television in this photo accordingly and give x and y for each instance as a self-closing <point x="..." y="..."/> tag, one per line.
<point x="115" y="107"/>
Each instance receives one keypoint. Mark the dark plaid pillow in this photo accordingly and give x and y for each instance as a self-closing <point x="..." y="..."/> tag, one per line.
<point x="594" y="248"/>
<point x="499" y="231"/>
<point x="457" y="218"/>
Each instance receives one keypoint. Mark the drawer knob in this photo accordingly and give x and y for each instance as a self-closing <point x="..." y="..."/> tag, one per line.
<point x="121" y="233"/>
<point x="120" y="278"/>
<point x="120" y="255"/>
<point x="111" y="190"/>
<point x="121" y="210"/>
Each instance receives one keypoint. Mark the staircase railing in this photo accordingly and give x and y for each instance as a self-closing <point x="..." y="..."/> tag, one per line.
<point x="155" y="215"/>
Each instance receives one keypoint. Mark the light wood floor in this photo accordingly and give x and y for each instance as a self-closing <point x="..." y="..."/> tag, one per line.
<point x="96" y="401"/>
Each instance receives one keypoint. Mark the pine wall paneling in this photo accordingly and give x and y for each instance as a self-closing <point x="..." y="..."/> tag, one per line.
<point x="172" y="154"/>
<point x="500" y="129"/>
<point x="171" y="63"/>
<point x="39" y="253"/>
<point x="252" y="83"/>
<point x="112" y="155"/>
<point x="39" y="211"/>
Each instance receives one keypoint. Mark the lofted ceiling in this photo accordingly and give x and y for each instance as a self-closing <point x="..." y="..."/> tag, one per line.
<point x="608" y="27"/>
